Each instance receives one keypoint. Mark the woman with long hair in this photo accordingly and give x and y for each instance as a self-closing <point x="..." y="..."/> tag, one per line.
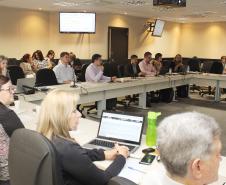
<point x="39" y="60"/>
<point x="50" y="58"/>
<point x="27" y="65"/>
<point x="58" y="115"/>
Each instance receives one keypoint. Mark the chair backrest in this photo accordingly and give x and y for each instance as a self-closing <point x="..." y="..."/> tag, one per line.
<point x="111" y="69"/>
<point x="120" y="181"/>
<point x="45" y="77"/>
<point x="194" y="64"/>
<point x="33" y="160"/>
<point x="15" y="73"/>
<point x="121" y="69"/>
<point x="13" y="62"/>
<point x="217" y="68"/>
<point x="206" y="66"/>
<point x="82" y="77"/>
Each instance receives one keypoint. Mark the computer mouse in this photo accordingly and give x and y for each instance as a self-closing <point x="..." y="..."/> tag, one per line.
<point x="148" y="150"/>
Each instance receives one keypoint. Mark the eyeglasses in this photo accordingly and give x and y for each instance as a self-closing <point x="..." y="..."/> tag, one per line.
<point x="10" y="89"/>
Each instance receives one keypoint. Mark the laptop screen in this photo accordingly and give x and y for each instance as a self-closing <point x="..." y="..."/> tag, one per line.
<point x="121" y="127"/>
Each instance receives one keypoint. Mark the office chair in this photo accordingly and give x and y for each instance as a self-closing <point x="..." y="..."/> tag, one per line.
<point x="111" y="69"/>
<point x="215" y="68"/>
<point x="15" y="73"/>
<point x="194" y="64"/>
<point x="13" y="62"/>
<point x="33" y="160"/>
<point x="45" y="77"/>
<point x="120" y="181"/>
<point x="120" y="70"/>
<point x="82" y="77"/>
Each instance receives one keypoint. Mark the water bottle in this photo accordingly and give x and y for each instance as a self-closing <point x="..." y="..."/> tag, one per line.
<point x="170" y="71"/>
<point x="151" y="133"/>
<point x="188" y="69"/>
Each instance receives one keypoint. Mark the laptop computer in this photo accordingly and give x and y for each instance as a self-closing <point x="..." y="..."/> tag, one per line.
<point x="123" y="128"/>
<point x="29" y="82"/>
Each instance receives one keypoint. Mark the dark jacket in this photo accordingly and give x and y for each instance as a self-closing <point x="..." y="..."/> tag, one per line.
<point x="9" y="120"/>
<point x="129" y="72"/>
<point x="77" y="164"/>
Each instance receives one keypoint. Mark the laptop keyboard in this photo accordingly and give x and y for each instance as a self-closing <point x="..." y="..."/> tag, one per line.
<point x="109" y="144"/>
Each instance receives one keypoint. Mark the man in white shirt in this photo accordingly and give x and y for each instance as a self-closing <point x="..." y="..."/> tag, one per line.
<point x="146" y="66"/>
<point x="94" y="72"/>
<point x="190" y="149"/>
<point x="63" y="71"/>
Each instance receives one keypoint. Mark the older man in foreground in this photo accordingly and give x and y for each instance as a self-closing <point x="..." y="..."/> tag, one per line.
<point x="190" y="149"/>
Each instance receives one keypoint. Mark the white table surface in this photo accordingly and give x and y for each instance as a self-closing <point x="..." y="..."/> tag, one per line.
<point x="87" y="130"/>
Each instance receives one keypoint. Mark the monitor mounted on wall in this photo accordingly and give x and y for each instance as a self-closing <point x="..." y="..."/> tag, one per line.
<point x="74" y="22"/>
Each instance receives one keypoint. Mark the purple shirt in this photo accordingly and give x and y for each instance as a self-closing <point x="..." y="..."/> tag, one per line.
<point x="95" y="74"/>
<point x="147" y="68"/>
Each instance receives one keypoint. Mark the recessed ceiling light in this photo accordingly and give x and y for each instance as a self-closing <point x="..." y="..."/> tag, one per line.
<point x="125" y="13"/>
<point x="39" y="8"/>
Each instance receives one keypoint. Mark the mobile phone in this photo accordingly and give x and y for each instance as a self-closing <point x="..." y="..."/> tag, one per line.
<point x="147" y="159"/>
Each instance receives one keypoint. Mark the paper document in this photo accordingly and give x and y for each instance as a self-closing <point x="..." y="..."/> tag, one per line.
<point x="133" y="170"/>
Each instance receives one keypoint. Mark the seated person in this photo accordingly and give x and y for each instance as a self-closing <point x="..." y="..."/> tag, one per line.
<point x="63" y="71"/>
<point x="9" y="122"/>
<point x="190" y="150"/>
<point x="146" y="67"/>
<point x="27" y="65"/>
<point x="58" y="116"/>
<point x="3" y="66"/>
<point x="132" y="69"/>
<point x="39" y="61"/>
<point x="182" y="91"/>
<point x="178" y="64"/>
<point x="94" y="72"/>
<point x="223" y="61"/>
<point x="50" y="58"/>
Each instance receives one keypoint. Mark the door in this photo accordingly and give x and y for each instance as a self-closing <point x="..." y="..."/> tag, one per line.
<point x="118" y="44"/>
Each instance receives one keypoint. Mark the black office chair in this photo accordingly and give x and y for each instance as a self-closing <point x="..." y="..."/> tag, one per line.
<point x="45" y="77"/>
<point x="33" y="160"/>
<point x="121" y="70"/>
<point x="13" y="62"/>
<point x="82" y="77"/>
<point x="194" y="64"/>
<point x="215" y="68"/>
<point x="15" y="73"/>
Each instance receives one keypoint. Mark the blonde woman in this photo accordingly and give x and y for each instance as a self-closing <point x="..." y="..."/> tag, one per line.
<point x="58" y="116"/>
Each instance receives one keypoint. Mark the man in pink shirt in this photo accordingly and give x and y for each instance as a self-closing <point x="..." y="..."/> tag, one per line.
<point x="146" y="66"/>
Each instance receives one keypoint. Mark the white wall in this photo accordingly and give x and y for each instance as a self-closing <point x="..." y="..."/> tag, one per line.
<point x="25" y="31"/>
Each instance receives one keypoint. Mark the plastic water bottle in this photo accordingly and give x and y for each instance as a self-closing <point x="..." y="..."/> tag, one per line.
<point x="151" y="133"/>
<point x="188" y="69"/>
<point x="170" y="71"/>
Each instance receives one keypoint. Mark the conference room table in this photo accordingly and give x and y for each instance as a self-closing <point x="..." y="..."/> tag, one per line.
<point x="87" y="130"/>
<point x="100" y="92"/>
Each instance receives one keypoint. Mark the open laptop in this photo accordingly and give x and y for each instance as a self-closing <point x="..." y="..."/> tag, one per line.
<point x="29" y="82"/>
<point x="123" y="128"/>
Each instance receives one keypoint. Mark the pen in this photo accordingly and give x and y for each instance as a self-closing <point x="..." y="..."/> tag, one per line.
<point x="131" y="168"/>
